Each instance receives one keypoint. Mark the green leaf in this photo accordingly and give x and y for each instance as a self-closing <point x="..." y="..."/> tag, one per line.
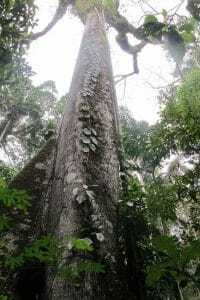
<point x="73" y="271"/>
<point x="83" y="244"/>
<point x="12" y="198"/>
<point x="191" y="252"/>
<point x="150" y="19"/>
<point x="168" y="245"/>
<point x="188" y="37"/>
<point x="91" y="267"/>
<point x="43" y="249"/>
<point x="9" y="4"/>
<point x="13" y="262"/>
<point x="3" y="297"/>
<point x="154" y="274"/>
<point x="68" y="272"/>
<point x="4" y="223"/>
<point x="189" y="25"/>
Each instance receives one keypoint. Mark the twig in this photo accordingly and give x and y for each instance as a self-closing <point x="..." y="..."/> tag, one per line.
<point x="151" y="7"/>
<point x="163" y="86"/>
<point x="177" y="7"/>
<point x="123" y="77"/>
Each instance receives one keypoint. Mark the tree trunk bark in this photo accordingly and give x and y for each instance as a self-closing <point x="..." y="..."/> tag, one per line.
<point x="81" y="200"/>
<point x="7" y="125"/>
<point x="34" y="178"/>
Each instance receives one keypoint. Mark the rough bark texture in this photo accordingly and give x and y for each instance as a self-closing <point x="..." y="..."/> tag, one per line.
<point x="7" y="125"/>
<point x="34" y="178"/>
<point x="82" y="194"/>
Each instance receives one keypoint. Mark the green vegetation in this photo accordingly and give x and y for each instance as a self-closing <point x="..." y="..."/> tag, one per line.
<point x="159" y="223"/>
<point x="15" y="256"/>
<point x="165" y="195"/>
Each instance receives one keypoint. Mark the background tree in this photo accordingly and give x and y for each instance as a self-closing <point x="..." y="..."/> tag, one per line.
<point x="28" y="114"/>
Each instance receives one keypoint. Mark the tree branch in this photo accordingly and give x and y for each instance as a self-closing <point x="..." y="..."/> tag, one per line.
<point x="123" y="42"/>
<point x="123" y="27"/>
<point x="121" y="24"/>
<point x="123" y="77"/>
<point x="151" y="7"/>
<point x="60" y="12"/>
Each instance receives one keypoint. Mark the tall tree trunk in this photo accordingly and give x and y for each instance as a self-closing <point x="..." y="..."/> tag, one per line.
<point x="83" y="192"/>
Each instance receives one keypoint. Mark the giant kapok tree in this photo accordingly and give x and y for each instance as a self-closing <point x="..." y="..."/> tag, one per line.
<point x="73" y="182"/>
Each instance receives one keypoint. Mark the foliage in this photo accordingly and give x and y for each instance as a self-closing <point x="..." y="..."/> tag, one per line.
<point x="162" y="202"/>
<point x="134" y="236"/>
<point x="182" y="113"/>
<point x="150" y="19"/>
<point x="82" y="244"/>
<point x="134" y="134"/>
<point x="26" y="111"/>
<point x="73" y="272"/>
<point x="143" y="144"/>
<point x="13" y="206"/>
<point x="16" y="22"/>
<point x="175" y="261"/>
<point x="29" y="115"/>
<point x="7" y="173"/>
<point x="46" y="250"/>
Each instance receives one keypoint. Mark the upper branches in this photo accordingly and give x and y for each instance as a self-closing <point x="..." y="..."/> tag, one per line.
<point x="123" y="42"/>
<point x="116" y="20"/>
<point x="150" y="30"/>
<point x="60" y="12"/>
<point x="123" y="27"/>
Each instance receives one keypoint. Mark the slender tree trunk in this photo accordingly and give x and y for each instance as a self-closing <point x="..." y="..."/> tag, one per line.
<point x="83" y="192"/>
<point x="180" y="294"/>
<point x="7" y="125"/>
<point x="3" y="129"/>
